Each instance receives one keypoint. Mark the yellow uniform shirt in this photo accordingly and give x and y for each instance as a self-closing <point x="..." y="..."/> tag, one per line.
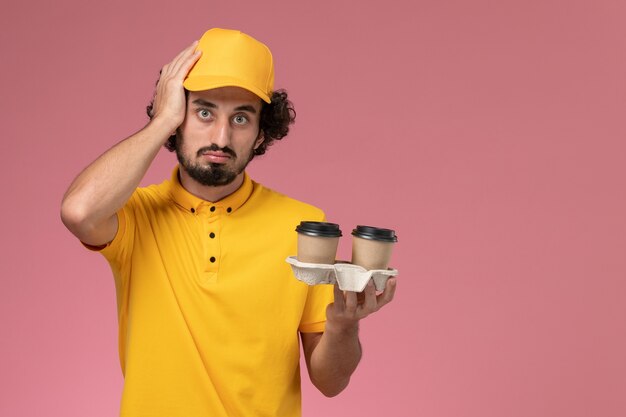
<point x="209" y="311"/>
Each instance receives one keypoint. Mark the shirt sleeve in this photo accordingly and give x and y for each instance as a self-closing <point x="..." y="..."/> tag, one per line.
<point x="119" y="249"/>
<point x="314" y="314"/>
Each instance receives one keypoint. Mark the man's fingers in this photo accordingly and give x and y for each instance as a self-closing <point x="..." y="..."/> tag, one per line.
<point x="387" y="295"/>
<point x="183" y="54"/>
<point x="351" y="302"/>
<point x="184" y="63"/>
<point x="371" y="302"/>
<point x="172" y="67"/>
<point x="186" y="66"/>
<point x="339" y="301"/>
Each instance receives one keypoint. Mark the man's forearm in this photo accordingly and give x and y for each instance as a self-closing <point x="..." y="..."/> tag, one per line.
<point x="335" y="358"/>
<point x="107" y="183"/>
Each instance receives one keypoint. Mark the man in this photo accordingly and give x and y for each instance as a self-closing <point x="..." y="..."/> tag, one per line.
<point x="209" y="312"/>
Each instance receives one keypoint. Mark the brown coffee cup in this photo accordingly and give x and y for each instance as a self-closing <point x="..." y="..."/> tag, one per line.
<point x="372" y="247"/>
<point x="317" y="242"/>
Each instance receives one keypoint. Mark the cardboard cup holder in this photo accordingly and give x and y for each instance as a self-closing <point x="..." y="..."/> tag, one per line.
<point x="349" y="277"/>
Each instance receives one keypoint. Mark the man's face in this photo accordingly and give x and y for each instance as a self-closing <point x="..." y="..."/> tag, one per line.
<point x="219" y="133"/>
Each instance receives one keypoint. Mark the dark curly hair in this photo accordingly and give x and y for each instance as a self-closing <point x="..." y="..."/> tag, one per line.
<point x="274" y="121"/>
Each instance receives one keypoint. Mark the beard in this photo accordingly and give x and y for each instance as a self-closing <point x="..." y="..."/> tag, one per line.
<point x="212" y="174"/>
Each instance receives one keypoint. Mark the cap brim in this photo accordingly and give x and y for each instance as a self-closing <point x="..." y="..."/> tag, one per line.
<point x="208" y="82"/>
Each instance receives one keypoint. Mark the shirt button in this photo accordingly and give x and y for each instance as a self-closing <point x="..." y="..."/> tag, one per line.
<point x="212" y="259"/>
<point x="229" y="209"/>
<point x="193" y="210"/>
<point x="212" y="208"/>
<point x="211" y="235"/>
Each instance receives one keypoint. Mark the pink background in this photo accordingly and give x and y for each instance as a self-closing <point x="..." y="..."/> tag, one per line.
<point x="489" y="134"/>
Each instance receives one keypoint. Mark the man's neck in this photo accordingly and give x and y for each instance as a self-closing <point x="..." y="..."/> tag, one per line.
<point x="209" y="193"/>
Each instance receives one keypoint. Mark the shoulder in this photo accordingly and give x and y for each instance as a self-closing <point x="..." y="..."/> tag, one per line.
<point x="285" y="205"/>
<point x="152" y="195"/>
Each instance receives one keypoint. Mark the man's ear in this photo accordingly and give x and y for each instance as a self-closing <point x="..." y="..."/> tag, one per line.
<point x="259" y="140"/>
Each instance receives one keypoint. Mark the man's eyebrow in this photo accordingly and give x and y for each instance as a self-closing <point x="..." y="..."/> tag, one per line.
<point x="245" y="107"/>
<point x="204" y="103"/>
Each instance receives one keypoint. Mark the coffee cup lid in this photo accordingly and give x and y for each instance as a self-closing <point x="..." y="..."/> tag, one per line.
<point x="375" y="233"/>
<point x="321" y="229"/>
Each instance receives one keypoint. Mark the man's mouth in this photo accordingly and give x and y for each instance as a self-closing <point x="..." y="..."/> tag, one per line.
<point x="216" y="157"/>
<point x="215" y="154"/>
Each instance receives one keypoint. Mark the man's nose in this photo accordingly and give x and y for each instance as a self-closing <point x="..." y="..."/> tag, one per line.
<point x="222" y="133"/>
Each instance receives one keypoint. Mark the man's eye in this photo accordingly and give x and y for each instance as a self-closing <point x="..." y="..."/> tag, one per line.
<point x="239" y="119"/>
<point x="204" y="113"/>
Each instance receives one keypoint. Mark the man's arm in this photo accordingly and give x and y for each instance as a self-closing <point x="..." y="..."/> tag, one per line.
<point x="90" y="204"/>
<point x="333" y="356"/>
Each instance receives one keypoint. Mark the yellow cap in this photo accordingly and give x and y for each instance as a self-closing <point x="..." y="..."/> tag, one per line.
<point x="231" y="58"/>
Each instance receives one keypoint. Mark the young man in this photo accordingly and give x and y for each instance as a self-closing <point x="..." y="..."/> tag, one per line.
<point x="209" y="311"/>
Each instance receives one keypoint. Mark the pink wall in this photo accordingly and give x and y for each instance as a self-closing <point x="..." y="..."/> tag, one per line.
<point x="490" y="134"/>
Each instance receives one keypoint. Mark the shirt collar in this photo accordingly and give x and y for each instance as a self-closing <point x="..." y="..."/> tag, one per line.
<point x="191" y="203"/>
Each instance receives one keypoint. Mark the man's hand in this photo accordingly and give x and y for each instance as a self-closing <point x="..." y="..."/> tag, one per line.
<point x="169" y="101"/>
<point x="349" y="307"/>
<point x="332" y="356"/>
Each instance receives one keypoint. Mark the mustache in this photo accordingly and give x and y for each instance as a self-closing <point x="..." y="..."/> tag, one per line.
<point x="214" y="148"/>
